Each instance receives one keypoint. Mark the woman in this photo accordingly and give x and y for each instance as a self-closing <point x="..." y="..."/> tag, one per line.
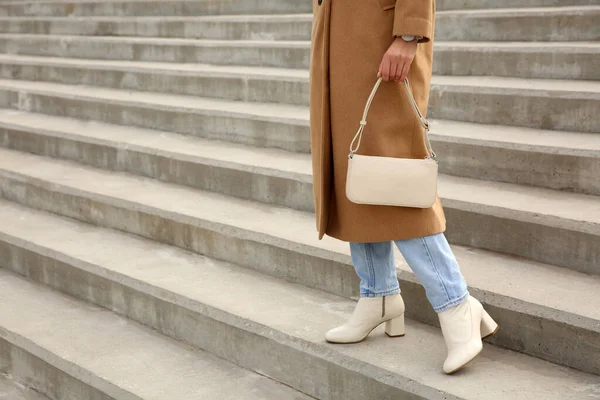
<point x="353" y="43"/>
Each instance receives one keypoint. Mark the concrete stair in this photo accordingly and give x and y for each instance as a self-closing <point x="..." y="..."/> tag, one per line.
<point x="157" y="8"/>
<point x="577" y="23"/>
<point x="120" y="8"/>
<point x="59" y="354"/>
<point x="154" y="162"/>
<point x="553" y="60"/>
<point x="543" y="104"/>
<point x="480" y="213"/>
<point x="213" y="224"/>
<point x="11" y="390"/>
<point x="260" y="322"/>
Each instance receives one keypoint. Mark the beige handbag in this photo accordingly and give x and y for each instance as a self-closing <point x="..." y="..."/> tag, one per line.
<point x="388" y="181"/>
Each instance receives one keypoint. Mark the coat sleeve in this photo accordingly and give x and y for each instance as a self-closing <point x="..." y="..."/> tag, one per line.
<point x="414" y="18"/>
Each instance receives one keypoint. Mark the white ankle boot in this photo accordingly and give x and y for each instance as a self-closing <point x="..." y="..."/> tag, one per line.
<point x="369" y="313"/>
<point x="463" y="327"/>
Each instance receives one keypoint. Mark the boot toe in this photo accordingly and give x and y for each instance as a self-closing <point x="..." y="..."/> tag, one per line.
<point x="345" y="334"/>
<point x="462" y="356"/>
<point x="334" y="336"/>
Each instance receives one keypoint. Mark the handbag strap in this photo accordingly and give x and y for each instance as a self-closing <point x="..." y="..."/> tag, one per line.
<point x="363" y="122"/>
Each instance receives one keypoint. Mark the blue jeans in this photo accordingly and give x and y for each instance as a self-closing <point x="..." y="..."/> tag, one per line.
<point x="429" y="257"/>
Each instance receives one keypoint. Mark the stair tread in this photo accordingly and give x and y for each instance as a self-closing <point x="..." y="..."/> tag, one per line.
<point x="167" y="41"/>
<point x="515" y="11"/>
<point x="168" y="18"/>
<point x="123" y="357"/>
<point x="568" y="47"/>
<point x="191" y="280"/>
<point x="519" y="85"/>
<point x="538" y="284"/>
<point x="168" y="67"/>
<point x="569" y="87"/>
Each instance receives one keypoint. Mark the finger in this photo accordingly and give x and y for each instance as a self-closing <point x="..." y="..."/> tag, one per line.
<point x="394" y="71"/>
<point x="405" y="69"/>
<point x="385" y="71"/>
<point x="398" y="72"/>
<point x="394" y="65"/>
<point x="380" y="69"/>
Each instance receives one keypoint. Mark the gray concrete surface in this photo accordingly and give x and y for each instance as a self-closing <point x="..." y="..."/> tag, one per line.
<point x="242" y="27"/>
<point x="570" y="23"/>
<point x="552" y="60"/>
<point x="264" y="324"/>
<point x="213" y="224"/>
<point x="492" y="4"/>
<point x="489" y="215"/>
<point x="544" y="311"/>
<point x="256" y="124"/>
<point x="273" y="85"/>
<point x="64" y="340"/>
<point x="566" y="161"/>
<point x="541" y="104"/>
<point x="194" y="7"/>
<point x="286" y="127"/>
<point x="575" y="23"/>
<point x="11" y="390"/>
<point x="536" y="24"/>
<point x="539" y="60"/>
<point x="151" y="8"/>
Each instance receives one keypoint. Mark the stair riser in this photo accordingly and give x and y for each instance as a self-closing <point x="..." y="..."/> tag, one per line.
<point x="573" y="173"/>
<point x="42" y="376"/>
<point x="541" y="63"/>
<point x="298" y="29"/>
<point x="541" y="110"/>
<point x="575" y="63"/>
<point x="156" y="8"/>
<point x="479" y="4"/>
<point x="210" y="124"/>
<point x="243" y="342"/>
<point x="507" y="233"/>
<point x="546" y="337"/>
<point x="555" y="26"/>
<point x="267" y="56"/>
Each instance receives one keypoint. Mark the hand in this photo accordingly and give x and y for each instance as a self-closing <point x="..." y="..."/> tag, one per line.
<point x="397" y="60"/>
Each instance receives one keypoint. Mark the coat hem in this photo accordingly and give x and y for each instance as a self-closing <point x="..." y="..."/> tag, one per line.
<point x="385" y="238"/>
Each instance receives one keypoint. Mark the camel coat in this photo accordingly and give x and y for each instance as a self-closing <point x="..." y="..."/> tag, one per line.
<point x="349" y="39"/>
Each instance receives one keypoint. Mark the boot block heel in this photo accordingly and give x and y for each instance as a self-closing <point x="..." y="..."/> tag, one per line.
<point x="488" y="325"/>
<point x="395" y="327"/>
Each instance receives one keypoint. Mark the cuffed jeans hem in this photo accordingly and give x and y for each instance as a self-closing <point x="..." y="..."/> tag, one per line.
<point x="452" y="303"/>
<point x="380" y="294"/>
